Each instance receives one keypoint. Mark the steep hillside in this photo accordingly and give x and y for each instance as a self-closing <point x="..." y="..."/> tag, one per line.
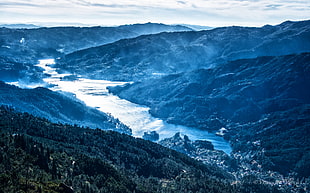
<point x="253" y="99"/>
<point x="41" y="156"/>
<point x="240" y="91"/>
<point x="277" y="142"/>
<point x="11" y="71"/>
<point x="153" y="55"/>
<point x="57" y="107"/>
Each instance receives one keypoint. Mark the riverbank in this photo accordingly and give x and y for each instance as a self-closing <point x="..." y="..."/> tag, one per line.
<point x="94" y="93"/>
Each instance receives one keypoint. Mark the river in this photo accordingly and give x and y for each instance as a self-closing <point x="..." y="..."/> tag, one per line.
<point x="94" y="93"/>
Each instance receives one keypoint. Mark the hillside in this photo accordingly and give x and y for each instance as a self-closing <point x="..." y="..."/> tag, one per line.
<point x="166" y="53"/>
<point x="153" y="28"/>
<point x="29" y="45"/>
<point x="11" y="71"/>
<point x="57" y="107"/>
<point x="41" y="156"/>
<point x="248" y="85"/>
<point x="229" y="91"/>
<point x="20" y="49"/>
<point x="262" y="100"/>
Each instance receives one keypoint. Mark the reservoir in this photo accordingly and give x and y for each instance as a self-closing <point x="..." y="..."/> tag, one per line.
<point x="94" y="93"/>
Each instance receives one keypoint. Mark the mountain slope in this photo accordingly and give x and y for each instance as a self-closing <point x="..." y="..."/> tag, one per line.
<point x="255" y="99"/>
<point x="29" y="45"/>
<point x="57" y="107"/>
<point x="153" y="28"/>
<point x="86" y="160"/>
<point x="11" y="71"/>
<point x="151" y="55"/>
<point x="231" y="90"/>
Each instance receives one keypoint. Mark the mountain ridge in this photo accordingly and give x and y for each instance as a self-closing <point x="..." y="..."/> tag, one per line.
<point x="55" y="41"/>
<point x="245" y="97"/>
<point x="164" y="53"/>
<point x="249" y="85"/>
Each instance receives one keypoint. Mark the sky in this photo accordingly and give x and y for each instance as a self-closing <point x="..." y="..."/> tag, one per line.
<point x="214" y="13"/>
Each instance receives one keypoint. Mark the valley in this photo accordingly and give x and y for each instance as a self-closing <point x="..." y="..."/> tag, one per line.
<point x="160" y="108"/>
<point x="95" y="94"/>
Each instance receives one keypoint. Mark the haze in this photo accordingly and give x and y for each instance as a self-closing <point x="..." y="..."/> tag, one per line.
<point x="110" y="13"/>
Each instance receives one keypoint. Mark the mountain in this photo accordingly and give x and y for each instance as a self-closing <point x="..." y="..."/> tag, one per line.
<point x="20" y="49"/>
<point x="19" y="26"/>
<point x="153" y="28"/>
<point x="248" y="85"/>
<point x="229" y="90"/>
<point x="198" y="27"/>
<point x="38" y="155"/>
<point x="29" y="45"/>
<point x="57" y="107"/>
<point x="258" y="101"/>
<point x="165" y="53"/>
<point x="11" y="71"/>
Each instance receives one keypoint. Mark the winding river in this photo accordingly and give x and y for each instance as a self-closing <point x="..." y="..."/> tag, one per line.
<point x="94" y="93"/>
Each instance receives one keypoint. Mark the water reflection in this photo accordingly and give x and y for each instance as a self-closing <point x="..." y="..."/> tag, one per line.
<point x="95" y="94"/>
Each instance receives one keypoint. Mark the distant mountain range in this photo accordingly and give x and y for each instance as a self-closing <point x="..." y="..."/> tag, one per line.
<point x="153" y="28"/>
<point x="25" y="45"/>
<point x="20" y="49"/>
<point x="165" y="53"/>
<point x="198" y="27"/>
<point x="19" y="26"/>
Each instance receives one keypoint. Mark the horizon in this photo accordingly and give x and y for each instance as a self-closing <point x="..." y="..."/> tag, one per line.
<point x="252" y="13"/>
<point x="50" y="25"/>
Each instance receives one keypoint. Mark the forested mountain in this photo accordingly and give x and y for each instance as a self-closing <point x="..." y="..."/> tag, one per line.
<point x="57" y="107"/>
<point x="28" y="45"/>
<point x="41" y="156"/>
<point x="249" y="85"/>
<point x="166" y="53"/>
<point x="229" y="91"/>
<point x="153" y="28"/>
<point x="263" y="101"/>
<point x="11" y="71"/>
<point x="20" y="49"/>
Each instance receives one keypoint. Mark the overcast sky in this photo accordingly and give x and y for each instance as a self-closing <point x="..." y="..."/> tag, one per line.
<point x="197" y="12"/>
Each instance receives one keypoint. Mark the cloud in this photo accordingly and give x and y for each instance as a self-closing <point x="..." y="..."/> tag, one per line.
<point x="182" y="2"/>
<point x="272" y="6"/>
<point x="200" y="12"/>
<point x="10" y="4"/>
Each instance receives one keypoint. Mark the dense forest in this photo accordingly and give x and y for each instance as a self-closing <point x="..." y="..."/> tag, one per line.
<point x="40" y="156"/>
<point x="262" y="103"/>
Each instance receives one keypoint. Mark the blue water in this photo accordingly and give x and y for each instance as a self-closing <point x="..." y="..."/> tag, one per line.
<point x="95" y="94"/>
